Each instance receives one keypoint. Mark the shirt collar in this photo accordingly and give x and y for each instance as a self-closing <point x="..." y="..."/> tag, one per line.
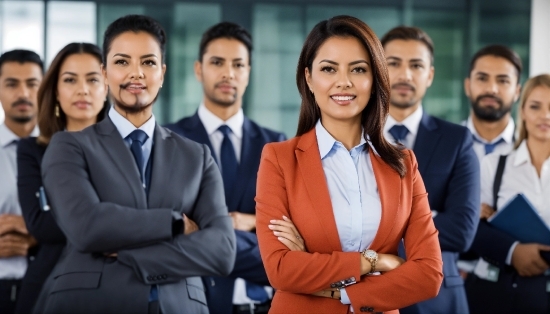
<point x="507" y="135"/>
<point x="211" y="122"/>
<point x="412" y="122"/>
<point x="326" y="142"/>
<point x="125" y="127"/>
<point x="522" y="154"/>
<point x="7" y="136"/>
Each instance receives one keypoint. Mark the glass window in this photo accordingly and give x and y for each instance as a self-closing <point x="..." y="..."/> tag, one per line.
<point x="22" y="26"/>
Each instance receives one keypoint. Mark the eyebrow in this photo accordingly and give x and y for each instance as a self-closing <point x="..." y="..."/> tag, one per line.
<point x="411" y="60"/>
<point x="142" y="57"/>
<point x="222" y="58"/>
<point x="72" y="73"/>
<point x="498" y="75"/>
<point x="336" y="63"/>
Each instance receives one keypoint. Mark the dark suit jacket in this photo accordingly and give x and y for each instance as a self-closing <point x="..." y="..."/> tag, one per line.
<point x="41" y="224"/>
<point x="248" y="264"/>
<point x="98" y="200"/>
<point x="450" y="170"/>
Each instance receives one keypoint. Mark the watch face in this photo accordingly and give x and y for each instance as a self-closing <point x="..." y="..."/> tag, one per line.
<point x="370" y="254"/>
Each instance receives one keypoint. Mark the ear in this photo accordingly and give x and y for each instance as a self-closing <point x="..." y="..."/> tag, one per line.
<point x="517" y="93"/>
<point x="467" y="86"/>
<point x="198" y="70"/>
<point x="431" y="76"/>
<point x="163" y="72"/>
<point x="104" y="72"/>
<point x="308" y="79"/>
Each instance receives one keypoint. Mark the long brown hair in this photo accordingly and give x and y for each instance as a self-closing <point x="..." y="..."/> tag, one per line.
<point x="528" y="87"/>
<point x="48" y="122"/>
<point x="374" y="115"/>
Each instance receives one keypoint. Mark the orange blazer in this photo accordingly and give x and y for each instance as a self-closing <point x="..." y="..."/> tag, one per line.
<point x="291" y="182"/>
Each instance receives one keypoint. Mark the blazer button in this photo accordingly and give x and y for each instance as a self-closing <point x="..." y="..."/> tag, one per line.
<point x="370" y="309"/>
<point x="149" y="278"/>
<point x="363" y="309"/>
<point x="164" y="276"/>
<point x="159" y="277"/>
<point x="333" y="285"/>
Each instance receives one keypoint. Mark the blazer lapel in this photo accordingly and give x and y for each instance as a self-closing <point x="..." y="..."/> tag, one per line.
<point x="195" y="131"/>
<point x="311" y="168"/>
<point x="122" y="158"/>
<point x="426" y="141"/>
<point x="163" y="158"/>
<point x="389" y="189"/>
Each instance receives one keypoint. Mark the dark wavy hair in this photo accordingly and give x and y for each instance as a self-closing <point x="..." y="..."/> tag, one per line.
<point x="48" y="123"/>
<point x="374" y="115"/>
<point x="226" y="30"/>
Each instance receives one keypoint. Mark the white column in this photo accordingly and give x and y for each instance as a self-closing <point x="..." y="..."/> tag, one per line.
<point x="539" y="46"/>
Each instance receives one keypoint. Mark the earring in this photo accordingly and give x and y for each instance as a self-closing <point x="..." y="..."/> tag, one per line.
<point x="57" y="110"/>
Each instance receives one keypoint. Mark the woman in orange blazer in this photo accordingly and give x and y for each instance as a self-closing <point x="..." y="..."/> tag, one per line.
<point x="328" y="242"/>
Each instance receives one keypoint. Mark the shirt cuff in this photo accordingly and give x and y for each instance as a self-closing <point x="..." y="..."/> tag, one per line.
<point x="344" y="296"/>
<point x="510" y="252"/>
<point x="434" y="213"/>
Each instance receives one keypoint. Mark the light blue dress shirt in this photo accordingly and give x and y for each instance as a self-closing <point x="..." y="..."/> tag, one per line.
<point x="353" y="192"/>
<point x="125" y="127"/>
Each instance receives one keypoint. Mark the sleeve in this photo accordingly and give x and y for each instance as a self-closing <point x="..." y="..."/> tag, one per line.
<point x="457" y="223"/>
<point x="41" y="224"/>
<point x="91" y="225"/>
<point x="292" y="270"/>
<point x="210" y="251"/>
<point x="420" y="277"/>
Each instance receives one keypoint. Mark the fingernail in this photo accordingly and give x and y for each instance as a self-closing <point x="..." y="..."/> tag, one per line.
<point x="270" y="226"/>
<point x="273" y="221"/>
<point x="275" y="232"/>
<point x="285" y="217"/>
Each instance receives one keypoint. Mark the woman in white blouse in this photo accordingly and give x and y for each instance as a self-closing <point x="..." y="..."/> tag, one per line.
<point x="512" y="277"/>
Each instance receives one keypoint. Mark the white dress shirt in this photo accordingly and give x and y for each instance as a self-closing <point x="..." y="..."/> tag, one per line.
<point x="10" y="267"/>
<point x="412" y="123"/>
<point x="520" y="176"/>
<point x="353" y="192"/>
<point x="479" y="143"/>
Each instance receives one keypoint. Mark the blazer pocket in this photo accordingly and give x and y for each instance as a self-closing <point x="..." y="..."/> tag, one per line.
<point x="196" y="293"/>
<point x="453" y="281"/>
<point x="71" y="281"/>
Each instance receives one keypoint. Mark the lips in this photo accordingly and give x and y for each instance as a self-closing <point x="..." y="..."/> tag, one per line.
<point x="81" y="104"/>
<point x="134" y="88"/>
<point x="226" y="88"/>
<point x="343" y="99"/>
<point x="403" y="88"/>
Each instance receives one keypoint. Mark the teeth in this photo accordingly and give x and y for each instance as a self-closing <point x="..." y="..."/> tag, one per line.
<point x="343" y="98"/>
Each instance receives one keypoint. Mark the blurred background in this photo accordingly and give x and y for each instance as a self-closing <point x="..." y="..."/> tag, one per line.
<point x="279" y="27"/>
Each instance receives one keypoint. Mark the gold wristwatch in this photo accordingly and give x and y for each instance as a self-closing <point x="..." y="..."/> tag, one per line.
<point x="372" y="257"/>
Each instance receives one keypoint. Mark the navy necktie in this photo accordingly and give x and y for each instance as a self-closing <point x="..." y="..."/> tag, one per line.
<point x="489" y="148"/>
<point x="256" y="292"/>
<point x="138" y="138"/>
<point x="228" y="161"/>
<point x="399" y="133"/>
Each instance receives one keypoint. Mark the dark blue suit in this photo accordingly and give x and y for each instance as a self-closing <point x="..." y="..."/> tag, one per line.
<point x="248" y="264"/>
<point x="450" y="170"/>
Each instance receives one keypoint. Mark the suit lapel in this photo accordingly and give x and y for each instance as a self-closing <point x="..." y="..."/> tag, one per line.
<point x="195" y="131"/>
<point x="389" y="189"/>
<point x="163" y="158"/>
<point x="122" y="158"/>
<point x="426" y="141"/>
<point x="311" y="168"/>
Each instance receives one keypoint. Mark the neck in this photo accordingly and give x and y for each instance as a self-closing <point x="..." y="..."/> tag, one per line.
<point x="400" y="114"/>
<point x="78" y="125"/>
<point x="539" y="152"/>
<point x="222" y="112"/>
<point x="489" y="130"/>
<point x="136" y="118"/>
<point x="347" y="132"/>
<point x="22" y="130"/>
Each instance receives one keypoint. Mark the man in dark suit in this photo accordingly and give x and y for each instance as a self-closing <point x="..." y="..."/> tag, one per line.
<point x="122" y="199"/>
<point x="446" y="160"/>
<point x="236" y="143"/>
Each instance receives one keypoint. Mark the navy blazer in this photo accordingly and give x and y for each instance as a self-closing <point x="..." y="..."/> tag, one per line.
<point x="248" y="265"/>
<point x="450" y="170"/>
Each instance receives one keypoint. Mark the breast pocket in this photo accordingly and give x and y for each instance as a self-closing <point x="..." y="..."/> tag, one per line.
<point x="195" y="289"/>
<point x="73" y="281"/>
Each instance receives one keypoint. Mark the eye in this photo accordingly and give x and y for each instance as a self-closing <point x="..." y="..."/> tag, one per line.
<point x="32" y="85"/>
<point x="359" y="70"/>
<point x="149" y="62"/>
<point x="393" y="64"/>
<point x="328" y="69"/>
<point x="216" y="62"/>
<point x="93" y="80"/>
<point x="417" y="66"/>
<point x="534" y="107"/>
<point x="69" y="80"/>
<point x="121" y="62"/>
<point x="481" y="78"/>
<point x="240" y="65"/>
<point x="504" y="81"/>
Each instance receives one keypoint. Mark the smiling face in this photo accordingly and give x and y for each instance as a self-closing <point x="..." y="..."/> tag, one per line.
<point x="81" y="89"/>
<point x="134" y="71"/>
<point x="19" y="84"/>
<point x="536" y="113"/>
<point x="341" y="79"/>
<point x="224" y="71"/>
<point x="410" y="71"/>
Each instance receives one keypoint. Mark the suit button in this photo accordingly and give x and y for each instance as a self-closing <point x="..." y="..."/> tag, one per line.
<point x="333" y="285"/>
<point x="149" y="278"/>
<point x="363" y="309"/>
<point x="370" y="309"/>
<point x="159" y="277"/>
<point x="164" y="276"/>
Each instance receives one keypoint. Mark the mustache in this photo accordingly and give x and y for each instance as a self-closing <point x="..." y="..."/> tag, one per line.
<point x="403" y="84"/>
<point x="497" y="99"/>
<point x="224" y="83"/>
<point x="21" y="102"/>
<point x="125" y="85"/>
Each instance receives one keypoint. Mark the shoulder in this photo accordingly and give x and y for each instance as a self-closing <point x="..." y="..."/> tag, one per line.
<point x="268" y="134"/>
<point x="450" y="126"/>
<point x="29" y="145"/>
<point x="183" y="143"/>
<point x="181" y="125"/>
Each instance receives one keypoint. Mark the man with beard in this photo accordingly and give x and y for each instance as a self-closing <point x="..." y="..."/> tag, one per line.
<point x="446" y="160"/>
<point x="236" y="143"/>
<point x="20" y="76"/>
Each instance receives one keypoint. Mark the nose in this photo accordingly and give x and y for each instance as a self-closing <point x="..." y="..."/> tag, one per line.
<point x="404" y="74"/>
<point x="343" y="80"/>
<point x="228" y="72"/>
<point x="23" y="91"/>
<point x="82" y="88"/>
<point x="136" y="72"/>
<point x="491" y="87"/>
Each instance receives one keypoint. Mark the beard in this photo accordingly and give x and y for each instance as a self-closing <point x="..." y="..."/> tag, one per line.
<point x="221" y="102"/>
<point x="490" y="114"/>
<point x="137" y="107"/>
<point x="21" y="119"/>
<point x="403" y="104"/>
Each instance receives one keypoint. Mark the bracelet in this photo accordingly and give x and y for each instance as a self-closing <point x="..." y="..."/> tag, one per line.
<point x="332" y="295"/>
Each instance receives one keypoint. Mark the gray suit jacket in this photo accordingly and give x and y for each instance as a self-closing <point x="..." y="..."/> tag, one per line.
<point x="96" y="194"/>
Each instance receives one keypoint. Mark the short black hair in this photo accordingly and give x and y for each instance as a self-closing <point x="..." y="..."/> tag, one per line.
<point x="226" y="30"/>
<point x="409" y="33"/>
<point x="498" y="51"/>
<point x="134" y="23"/>
<point x="21" y="56"/>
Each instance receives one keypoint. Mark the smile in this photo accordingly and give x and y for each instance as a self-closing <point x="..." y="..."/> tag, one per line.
<point x="343" y="98"/>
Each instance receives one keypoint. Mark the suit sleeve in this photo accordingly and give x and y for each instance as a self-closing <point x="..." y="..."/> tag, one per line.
<point x="40" y="224"/>
<point x="89" y="224"/>
<point x="292" y="270"/>
<point x="210" y="251"/>
<point x="420" y="277"/>
<point x="457" y="223"/>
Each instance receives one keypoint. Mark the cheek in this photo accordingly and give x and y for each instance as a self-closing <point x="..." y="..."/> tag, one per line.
<point x="64" y="94"/>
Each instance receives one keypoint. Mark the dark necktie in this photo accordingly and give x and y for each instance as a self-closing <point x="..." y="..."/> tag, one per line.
<point x="399" y="133"/>
<point x="489" y="148"/>
<point x="256" y="292"/>
<point x="138" y="138"/>
<point x="228" y="161"/>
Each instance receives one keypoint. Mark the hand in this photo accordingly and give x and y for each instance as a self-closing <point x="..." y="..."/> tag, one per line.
<point x="329" y="293"/>
<point x="287" y="233"/>
<point x="486" y="211"/>
<point x="386" y="262"/>
<point x="527" y="261"/>
<point x="12" y="223"/>
<point x="242" y="221"/>
<point x="15" y="244"/>
<point x="189" y="225"/>
<point x="111" y="254"/>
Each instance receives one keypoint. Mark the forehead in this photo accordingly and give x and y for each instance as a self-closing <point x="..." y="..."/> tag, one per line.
<point x="135" y="44"/>
<point x="493" y="65"/>
<point x="540" y="93"/>
<point x="342" y="49"/>
<point x="81" y="62"/>
<point x="407" y="49"/>
<point x="21" y="71"/>
<point x="227" y="48"/>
